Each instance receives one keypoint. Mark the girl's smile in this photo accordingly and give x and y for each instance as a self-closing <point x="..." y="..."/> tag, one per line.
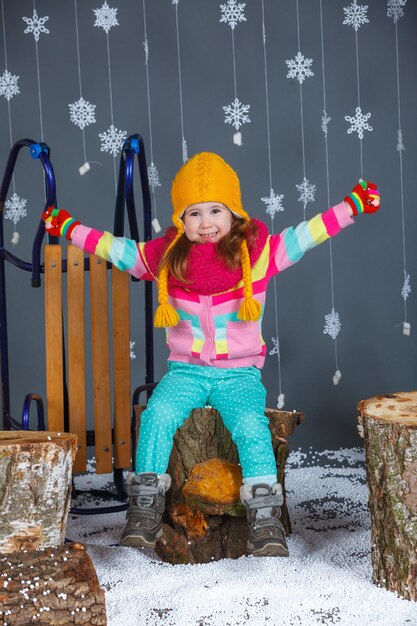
<point x="206" y="222"/>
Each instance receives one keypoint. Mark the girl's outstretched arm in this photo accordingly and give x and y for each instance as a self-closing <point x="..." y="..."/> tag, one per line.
<point x="290" y="245"/>
<point x="127" y="255"/>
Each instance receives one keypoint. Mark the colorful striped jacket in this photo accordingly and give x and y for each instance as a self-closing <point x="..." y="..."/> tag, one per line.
<point x="209" y="332"/>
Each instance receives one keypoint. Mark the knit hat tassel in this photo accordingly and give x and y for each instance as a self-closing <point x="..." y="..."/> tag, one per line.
<point x="250" y="309"/>
<point x="165" y="315"/>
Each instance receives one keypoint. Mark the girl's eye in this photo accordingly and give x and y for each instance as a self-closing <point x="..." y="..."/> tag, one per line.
<point x="193" y="214"/>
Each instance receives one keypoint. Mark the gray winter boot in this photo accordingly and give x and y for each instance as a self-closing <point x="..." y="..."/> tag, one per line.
<point x="266" y="534"/>
<point x="146" y="505"/>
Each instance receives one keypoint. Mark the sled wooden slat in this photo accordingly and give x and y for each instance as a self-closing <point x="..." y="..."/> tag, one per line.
<point x="53" y="337"/>
<point x="101" y="364"/>
<point x="76" y="353"/>
<point x="121" y="367"/>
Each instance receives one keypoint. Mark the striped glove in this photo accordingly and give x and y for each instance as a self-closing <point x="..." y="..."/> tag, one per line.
<point x="58" y="222"/>
<point x="364" y="198"/>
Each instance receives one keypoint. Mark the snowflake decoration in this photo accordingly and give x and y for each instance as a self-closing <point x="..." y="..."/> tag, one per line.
<point x="184" y="151"/>
<point x="400" y="144"/>
<point x="333" y="325"/>
<point x="299" y="67"/>
<point x="232" y="13"/>
<point x="36" y="25"/>
<point x="106" y="17"/>
<point x="15" y="208"/>
<point x="8" y="85"/>
<point x="325" y="119"/>
<point x="175" y="1"/>
<point x="307" y="192"/>
<point x="275" y="349"/>
<point x="132" y="354"/>
<point x="355" y="15"/>
<point x="395" y="9"/>
<point x="359" y="123"/>
<point x="112" y="140"/>
<point x="236" y="113"/>
<point x="406" y="289"/>
<point x="273" y="203"/>
<point x="82" y="113"/>
<point x="153" y="177"/>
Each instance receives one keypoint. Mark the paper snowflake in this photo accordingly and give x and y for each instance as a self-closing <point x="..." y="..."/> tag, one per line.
<point x="132" y="354"/>
<point x="232" y="13"/>
<point x="395" y="9"/>
<point x="112" y="140"/>
<point x="299" y="67"/>
<point x="236" y="113"/>
<point x="406" y="288"/>
<point x="275" y="349"/>
<point x="153" y="177"/>
<point x="307" y="192"/>
<point x="8" y="85"/>
<point x="333" y="325"/>
<point x="400" y="144"/>
<point x="184" y="151"/>
<point x="273" y="203"/>
<point x="325" y="119"/>
<point x="106" y="17"/>
<point x="15" y="208"/>
<point x="175" y="1"/>
<point x="36" y="25"/>
<point x="355" y="15"/>
<point x="359" y="123"/>
<point x="82" y="113"/>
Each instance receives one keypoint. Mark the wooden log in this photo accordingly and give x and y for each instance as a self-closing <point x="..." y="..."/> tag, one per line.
<point x="35" y="488"/>
<point x="51" y="586"/>
<point x="388" y="424"/>
<point x="199" y="526"/>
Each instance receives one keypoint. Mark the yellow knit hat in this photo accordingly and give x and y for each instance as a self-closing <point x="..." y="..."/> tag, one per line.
<point x="206" y="177"/>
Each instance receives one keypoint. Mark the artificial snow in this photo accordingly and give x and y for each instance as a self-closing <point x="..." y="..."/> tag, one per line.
<point x="326" y="579"/>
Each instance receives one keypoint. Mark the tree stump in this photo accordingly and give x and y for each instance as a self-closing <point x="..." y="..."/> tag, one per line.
<point x="388" y="424"/>
<point x="51" y="586"/>
<point x="35" y="488"/>
<point x="205" y="520"/>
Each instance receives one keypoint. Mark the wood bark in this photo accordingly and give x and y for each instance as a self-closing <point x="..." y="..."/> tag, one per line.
<point x="35" y="488"/>
<point x="51" y="586"/>
<point x="199" y="531"/>
<point x="388" y="425"/>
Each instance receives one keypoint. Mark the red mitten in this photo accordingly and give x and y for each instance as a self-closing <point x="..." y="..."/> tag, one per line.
<point x="59" y="223"/>
<point x="364" y="198"/>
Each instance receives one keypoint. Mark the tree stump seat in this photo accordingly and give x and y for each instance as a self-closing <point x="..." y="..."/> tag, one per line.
<point x="388" y="424"/>
<point x="204" y="518"/>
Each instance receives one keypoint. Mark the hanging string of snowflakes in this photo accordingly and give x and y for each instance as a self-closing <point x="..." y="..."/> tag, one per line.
<point x="300" y="68"/>
<point x="82" y="112"/>
<point x="112" y="139"/>
<point x="183" y="140"/>
<point x="395" y="11"/>
<point x="153" y="175"/>
<point x="273" y="204"/>
<point x="332" y="324"/>
<point x="15" y="205"/>
<point x="236" y="113"/>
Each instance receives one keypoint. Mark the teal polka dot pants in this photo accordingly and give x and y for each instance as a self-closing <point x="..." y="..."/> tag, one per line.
<point x="238" y="395"/>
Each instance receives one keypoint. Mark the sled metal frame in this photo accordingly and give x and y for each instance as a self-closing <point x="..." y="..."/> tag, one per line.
<point x="133" y="147"/>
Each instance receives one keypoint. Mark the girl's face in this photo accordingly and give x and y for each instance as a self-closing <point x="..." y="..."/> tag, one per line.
<point x="207" y="222"/>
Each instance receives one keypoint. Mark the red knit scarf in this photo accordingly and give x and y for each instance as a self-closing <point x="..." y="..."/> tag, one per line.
<point x="206" y="273"/>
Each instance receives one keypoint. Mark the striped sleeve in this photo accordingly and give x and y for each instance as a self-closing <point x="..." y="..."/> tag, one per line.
<point x="125" y="254"/>
<point x="289" y="246"/>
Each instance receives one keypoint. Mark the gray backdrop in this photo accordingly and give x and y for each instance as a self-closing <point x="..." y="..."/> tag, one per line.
<point x="367" y="260"/>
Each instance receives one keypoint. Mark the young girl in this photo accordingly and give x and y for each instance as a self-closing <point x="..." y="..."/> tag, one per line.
<point x="212" y="271"/>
